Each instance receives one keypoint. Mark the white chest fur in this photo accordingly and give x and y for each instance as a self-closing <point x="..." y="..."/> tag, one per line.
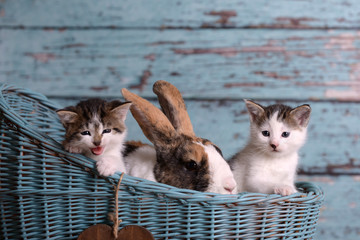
<point x="141" y="162"/>
<point x="265" y="174"/>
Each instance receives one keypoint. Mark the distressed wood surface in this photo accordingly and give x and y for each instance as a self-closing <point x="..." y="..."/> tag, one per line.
<point x="206" y="64"/>
<point x="181" y="13"/>
<point x="217" y="53"/>
<point x="339" y="218"/>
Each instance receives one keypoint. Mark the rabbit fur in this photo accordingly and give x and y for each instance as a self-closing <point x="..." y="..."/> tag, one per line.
<point x="178" y="157"/>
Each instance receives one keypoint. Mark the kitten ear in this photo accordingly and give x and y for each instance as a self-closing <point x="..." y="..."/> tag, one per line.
<point x="122" y="110"/>
<point x="301" y="114"/>
<point x="255" y="110"/>
<point x="67" y="117"/>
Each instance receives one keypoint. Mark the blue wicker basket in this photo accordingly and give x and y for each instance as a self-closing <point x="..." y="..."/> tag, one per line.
<point x="48" y="193"/>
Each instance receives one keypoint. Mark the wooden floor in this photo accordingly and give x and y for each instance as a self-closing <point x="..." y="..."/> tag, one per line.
<point x="217" y="53"/>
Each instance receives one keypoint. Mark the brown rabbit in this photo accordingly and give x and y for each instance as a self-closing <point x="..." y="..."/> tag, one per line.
<point x="178" y="157"/>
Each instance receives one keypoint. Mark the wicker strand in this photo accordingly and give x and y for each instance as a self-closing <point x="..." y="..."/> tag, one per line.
<point x="115" y="216"/>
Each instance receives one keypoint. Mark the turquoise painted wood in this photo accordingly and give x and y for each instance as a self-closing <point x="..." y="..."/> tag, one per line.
<point x="181" y="13"/>
<point x="213" y="64"/>
<point x="339" y="217"/>
<point x="217" y="53"/>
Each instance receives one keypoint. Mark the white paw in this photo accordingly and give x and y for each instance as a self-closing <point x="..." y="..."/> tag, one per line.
<point x="285" y="190"/>
<point x="72" y="149"/>
<point x="106" y="168"/>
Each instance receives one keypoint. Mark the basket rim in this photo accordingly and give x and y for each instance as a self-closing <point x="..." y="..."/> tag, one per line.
<point x="313" y="193"/>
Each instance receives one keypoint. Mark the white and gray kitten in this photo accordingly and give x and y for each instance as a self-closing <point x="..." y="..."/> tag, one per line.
<point x="96" y="128"/>
<point x="268" y="163"/>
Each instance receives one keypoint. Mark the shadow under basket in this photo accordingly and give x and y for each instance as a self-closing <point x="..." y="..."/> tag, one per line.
<point x="48" y="193"/>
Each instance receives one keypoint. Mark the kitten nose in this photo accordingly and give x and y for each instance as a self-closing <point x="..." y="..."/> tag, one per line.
<point x="274" y="146"/>
<point x="97" y="143"/>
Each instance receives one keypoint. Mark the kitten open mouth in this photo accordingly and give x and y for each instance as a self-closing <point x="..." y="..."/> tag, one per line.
<point x="97" y="150"/>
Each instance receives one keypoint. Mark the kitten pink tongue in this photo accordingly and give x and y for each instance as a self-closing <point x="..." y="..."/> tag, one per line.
<point x="97" y="150"/>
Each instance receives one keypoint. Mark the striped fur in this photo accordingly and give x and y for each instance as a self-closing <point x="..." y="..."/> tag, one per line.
<point x="96" y="129"/>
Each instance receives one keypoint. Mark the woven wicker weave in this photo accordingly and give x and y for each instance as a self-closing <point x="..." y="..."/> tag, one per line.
<point x="47" y="193"/>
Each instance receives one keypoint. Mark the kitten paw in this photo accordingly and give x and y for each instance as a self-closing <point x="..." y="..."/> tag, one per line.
<point x="285" y="190"/>
<point x="105" y="168"/>
<point x="73" y="149"/>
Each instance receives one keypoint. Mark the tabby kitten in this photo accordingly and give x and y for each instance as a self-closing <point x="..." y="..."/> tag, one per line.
<point x="268" y="162"/>
<point x="96" y="128"/>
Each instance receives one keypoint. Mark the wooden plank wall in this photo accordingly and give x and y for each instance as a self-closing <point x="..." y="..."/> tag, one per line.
<point x="217" y="53"/>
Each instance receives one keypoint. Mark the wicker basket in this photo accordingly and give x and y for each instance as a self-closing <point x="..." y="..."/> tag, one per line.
<point x="48" y="193"/>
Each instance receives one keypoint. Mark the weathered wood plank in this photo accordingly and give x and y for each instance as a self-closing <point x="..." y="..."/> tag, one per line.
<point x="184" y="13"/>
<point x="205" y="64"/>
<point x="339" y="217"/>
<point x="332" y="147"/>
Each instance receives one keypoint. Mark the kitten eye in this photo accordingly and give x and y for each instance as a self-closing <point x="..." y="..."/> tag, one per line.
<point x="285" y="134"/>
<point x="192" y="165"/>
<point x="117" y="130"/>
<point x="265" y="133"/>
<point x="85" y="133"/>
<point x="107" y="131"/>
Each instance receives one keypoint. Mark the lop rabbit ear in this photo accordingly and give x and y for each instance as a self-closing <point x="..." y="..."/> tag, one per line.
<point x="173" y="106"/>
<point x="151" y="120"/>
